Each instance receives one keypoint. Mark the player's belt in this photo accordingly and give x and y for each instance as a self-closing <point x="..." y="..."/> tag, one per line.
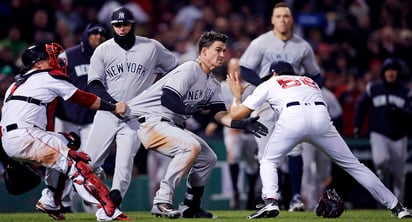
<point x="296" y="103"/>
<point x="13" y="126"/>
<point x="143" y="119"/>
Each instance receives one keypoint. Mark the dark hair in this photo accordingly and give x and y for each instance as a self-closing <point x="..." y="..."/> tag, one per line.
<point x="208" y="38"/>
<point x="281" y="5"/>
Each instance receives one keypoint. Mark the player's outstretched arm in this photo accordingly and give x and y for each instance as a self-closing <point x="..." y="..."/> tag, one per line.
<point x="92" y="101"/>
<point x="250" y="125"/>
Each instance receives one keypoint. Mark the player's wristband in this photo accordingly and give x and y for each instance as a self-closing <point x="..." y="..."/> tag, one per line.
<point x="106" y="106"/>
<point x="238" y="124"/>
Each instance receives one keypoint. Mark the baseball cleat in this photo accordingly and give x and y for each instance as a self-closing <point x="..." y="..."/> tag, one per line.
<point x="269" y="209"/>
<point x="165" y="210"/>
<point x="401" y="212"/>
<point x="55" y="214"/>
<point x="123" y="217"/>
<point x="296" y="204"/>
<point x="190" y="212"/>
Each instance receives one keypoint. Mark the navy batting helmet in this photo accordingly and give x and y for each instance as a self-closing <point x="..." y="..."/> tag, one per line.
<point x="122" y="14"/>
<point x="33" y="54"/>
<point x="281" y="68"/>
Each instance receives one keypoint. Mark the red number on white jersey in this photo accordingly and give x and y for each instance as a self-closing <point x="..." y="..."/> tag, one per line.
<point x="287" y="82"/>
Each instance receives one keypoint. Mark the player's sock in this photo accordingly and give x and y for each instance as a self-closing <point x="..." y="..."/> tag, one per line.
<point x="295" y="171"/>
<point x="234" y="175"/>
<point x="251" y="178"/>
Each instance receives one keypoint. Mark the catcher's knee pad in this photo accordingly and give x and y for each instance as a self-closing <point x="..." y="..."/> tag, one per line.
<point x="94" y="186"/>
<point x="73" y="140"/>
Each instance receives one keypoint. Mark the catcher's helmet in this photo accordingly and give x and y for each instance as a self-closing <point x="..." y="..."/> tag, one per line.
<point x="33" y="54"/>
<point x="42" y="51"/>
<point x="281" y="68"/>
<point x="122" y="14"/>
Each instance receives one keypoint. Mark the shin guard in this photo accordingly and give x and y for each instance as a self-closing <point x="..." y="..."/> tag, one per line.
<point x="86" y="181"/>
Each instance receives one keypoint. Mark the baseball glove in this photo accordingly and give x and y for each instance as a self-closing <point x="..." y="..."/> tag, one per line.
<point x="18" y="177"/>
<point x="330" y="204"/>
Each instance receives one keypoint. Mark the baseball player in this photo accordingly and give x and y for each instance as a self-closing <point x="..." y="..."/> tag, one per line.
<point x="317" y="167"/>
<point x="302" y="117"/>
<point x="239" y="145"/>
<point x="162" y="110"/>
<point x="120" y="69"/>
<point x="388" y="101"/>
<point x="71" y="117"/>
<point x="25" y="138"/>
<point x="254" y="63"/>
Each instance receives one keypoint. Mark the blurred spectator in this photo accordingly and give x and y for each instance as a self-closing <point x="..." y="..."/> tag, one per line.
<point x="43" y="29"/>
<point x="66" y="13"/>
<point x="187" y="16"/>
<point x="14" y="42"/>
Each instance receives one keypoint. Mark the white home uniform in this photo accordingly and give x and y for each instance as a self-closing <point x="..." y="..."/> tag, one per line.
<point x="162" y="129"/>
<point x="258" y="57"/>
<point x="125" y="74"/>
<point x="303" y="117"/>
<point x="24" y="135"/>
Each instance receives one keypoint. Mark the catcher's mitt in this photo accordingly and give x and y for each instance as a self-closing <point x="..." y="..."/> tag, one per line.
<point x="18" y="177"/>
<point x="330" y="204"/>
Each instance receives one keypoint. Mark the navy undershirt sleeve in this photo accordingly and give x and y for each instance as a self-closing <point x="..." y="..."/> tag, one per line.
<point x="250" y="76"/>
<point x="98" y="89"/>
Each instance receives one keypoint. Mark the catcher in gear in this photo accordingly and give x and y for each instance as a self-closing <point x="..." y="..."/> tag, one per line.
<point x="330" y="204"/>
<point x="25" y="136"/>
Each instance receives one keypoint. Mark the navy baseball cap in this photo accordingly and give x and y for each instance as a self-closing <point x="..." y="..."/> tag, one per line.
<point x="122" y="14"/>
<point x="281" y="68"/>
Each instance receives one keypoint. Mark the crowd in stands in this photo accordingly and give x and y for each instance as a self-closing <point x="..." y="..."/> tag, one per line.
<point x="351" y="38"/>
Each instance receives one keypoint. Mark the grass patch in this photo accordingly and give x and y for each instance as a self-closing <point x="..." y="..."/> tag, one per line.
<point x="223" y="216"/>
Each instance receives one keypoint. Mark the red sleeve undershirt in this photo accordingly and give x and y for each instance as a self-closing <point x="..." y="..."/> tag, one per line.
<point x="83" y="98"/>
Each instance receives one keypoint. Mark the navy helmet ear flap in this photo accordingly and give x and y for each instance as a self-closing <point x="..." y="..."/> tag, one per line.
<point x="281" y="68"/>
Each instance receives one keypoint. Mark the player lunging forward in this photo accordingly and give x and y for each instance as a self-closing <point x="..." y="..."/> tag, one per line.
<point x="303" y="117"/>
<point x="162" y="110"/>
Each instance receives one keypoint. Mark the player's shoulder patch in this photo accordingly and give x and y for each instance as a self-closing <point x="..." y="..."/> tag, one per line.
<point x="57" y="74"/>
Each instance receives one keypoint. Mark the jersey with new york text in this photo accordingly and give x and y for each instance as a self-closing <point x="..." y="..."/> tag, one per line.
<point x="41" y="86"/>
<point x="268" y="48"/>
<point x="126" y="73"/>
<point x="281" y="90"/>
<point x="189" y="81"/>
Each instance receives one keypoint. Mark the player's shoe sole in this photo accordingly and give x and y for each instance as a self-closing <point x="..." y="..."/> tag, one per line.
<point x="55" y="214"/>
<point x="122" y="217"/>
<point x="165" y="210"/>
<point x="269" y="210"/>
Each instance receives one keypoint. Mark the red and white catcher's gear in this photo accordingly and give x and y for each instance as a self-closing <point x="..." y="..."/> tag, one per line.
<point x="88" y="185"/>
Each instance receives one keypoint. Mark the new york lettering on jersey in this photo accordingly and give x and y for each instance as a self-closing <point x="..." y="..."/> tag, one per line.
<point x="131" y="67"/>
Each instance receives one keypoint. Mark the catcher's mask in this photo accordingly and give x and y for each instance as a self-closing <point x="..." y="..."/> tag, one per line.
<point x="44" y="51"/>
